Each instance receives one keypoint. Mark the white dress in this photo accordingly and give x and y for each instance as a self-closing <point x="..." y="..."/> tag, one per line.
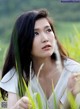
<point x="10" y="83"/>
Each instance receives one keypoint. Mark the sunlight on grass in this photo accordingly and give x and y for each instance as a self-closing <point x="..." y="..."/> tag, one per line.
<point x="72" y="44"/>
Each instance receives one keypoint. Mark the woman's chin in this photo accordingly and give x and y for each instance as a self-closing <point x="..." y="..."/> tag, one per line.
<point x="47" y="55"/>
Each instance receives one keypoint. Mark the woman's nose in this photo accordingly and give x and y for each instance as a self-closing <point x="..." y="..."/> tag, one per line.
<point x="44" y="37"/>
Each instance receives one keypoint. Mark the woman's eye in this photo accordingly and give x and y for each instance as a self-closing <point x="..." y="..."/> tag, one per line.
<point x="49" y="30"/>
<point x="36" y="33"/>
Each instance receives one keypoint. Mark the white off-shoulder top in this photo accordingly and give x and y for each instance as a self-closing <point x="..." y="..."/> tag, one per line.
<point x="10" y="83"/>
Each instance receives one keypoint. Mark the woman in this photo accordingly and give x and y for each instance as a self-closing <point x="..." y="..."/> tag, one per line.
<point x="39" y="60"/>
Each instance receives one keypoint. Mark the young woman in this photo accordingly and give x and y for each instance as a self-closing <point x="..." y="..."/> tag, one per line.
<point x="38" y="45"/>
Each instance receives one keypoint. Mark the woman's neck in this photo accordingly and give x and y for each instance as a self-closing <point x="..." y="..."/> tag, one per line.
<point x="48" y="65"/>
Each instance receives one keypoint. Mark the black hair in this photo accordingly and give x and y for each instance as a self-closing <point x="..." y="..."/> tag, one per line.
<point x="24" y="26"/>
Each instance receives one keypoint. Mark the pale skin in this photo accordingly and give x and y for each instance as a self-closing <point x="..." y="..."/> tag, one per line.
<point x="40" y="54"/>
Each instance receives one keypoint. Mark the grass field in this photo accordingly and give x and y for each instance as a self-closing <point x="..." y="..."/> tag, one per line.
<point x="3" y="48"/>
<point x="68" y="33"/>
<point x="63" y="30"/>
<point x="66" y="29"/>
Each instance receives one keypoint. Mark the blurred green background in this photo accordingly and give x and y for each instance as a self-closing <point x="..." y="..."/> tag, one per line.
<point x="66" y="22"/>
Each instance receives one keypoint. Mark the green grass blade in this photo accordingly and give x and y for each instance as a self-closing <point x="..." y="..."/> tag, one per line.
<point x="72" y="102"/>
<point x="29" y="96"/>
<point x="54" y="97"/>
<point x="39" y="102"/>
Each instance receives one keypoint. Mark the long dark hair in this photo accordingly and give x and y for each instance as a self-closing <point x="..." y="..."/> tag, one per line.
<point x="25" y="36"/>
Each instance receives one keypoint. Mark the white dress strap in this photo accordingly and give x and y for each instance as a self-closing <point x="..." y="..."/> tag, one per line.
<point x="10" y="81"/>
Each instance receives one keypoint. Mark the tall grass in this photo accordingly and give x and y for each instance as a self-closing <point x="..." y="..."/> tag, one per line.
<point x="3" y="48"/>
<point x="72" y="44"/>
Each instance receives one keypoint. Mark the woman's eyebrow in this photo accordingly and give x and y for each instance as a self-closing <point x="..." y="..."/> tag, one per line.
<point x="37" y="29"/>
<point x="47" y="27"/>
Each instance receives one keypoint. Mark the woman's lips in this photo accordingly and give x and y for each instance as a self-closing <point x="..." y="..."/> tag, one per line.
<point x="46" y="47"/>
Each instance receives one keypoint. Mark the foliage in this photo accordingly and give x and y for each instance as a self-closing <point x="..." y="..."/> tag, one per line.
<point x="61" y="11"/>
<point x="72" y="44"/>
<point x="23" y="89"/>
<point x="11" y="9"/>
<point x="67" y="32"/>
<point x="72" y="102"/>
<point x="3" y="50"/>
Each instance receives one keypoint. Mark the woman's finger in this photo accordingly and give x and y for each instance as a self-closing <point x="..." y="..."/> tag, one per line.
<point x="22" y="105"/>
<point x="76" y="89"/>
<point x="26" y="100"/>
<point x="76" y="74"/>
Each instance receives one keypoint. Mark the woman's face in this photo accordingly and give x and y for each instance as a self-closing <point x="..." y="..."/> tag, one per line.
<point x="43" y="43"/>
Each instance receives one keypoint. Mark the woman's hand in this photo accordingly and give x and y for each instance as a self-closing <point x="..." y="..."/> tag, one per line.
<point x="23" y="103"/>
<point x="74" y="84"/>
